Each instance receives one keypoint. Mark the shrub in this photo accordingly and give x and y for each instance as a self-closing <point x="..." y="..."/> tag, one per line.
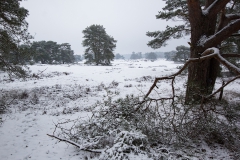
<point x="116" y="126"/>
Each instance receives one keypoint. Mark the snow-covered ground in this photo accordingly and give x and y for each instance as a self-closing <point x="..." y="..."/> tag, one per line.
<point x="57" y="92"/>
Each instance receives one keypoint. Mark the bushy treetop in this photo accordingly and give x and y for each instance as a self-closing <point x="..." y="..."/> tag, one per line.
<point x="99" y="45"/>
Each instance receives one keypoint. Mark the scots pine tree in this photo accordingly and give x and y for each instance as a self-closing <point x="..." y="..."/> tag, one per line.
<point x="209" y="23"/>
<point x="13" y="33"/>
<point x="45" y="51"/>
<point x="66" y="53"/>
<point x="100" y="45"/>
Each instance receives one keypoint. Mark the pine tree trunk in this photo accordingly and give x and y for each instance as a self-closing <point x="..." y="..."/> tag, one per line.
<point x="201" y="75"/>
<point x="201" y="79"/>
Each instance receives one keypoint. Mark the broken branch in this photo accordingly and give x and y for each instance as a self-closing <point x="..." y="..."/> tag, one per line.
<point x="73" y="143"/>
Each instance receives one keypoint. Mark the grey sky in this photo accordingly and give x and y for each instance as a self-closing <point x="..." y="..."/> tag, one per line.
<point x="127" y="21"/>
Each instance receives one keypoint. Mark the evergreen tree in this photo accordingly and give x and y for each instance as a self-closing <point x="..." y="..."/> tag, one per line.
<point x="13" y="32"/>
<point x="210" y="23"/>
<point x="50" y="52"/>
<point x="182" y="54"/>
<point x="119" y="56"/>
<point x="66" y="53"/>
<point x="45" y="52"/>
<point x="151" y="56"/>
<point x="99" y="45"/>
<point x="170" y="55"/>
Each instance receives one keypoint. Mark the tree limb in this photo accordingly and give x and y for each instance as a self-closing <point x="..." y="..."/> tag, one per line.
<point x="73" y="143"/>
<point x="216" y="7"/>
<point x="221" y="35"/>
<point x="221" y="88"/>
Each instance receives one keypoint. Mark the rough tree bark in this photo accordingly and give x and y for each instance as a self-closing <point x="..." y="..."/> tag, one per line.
<point x="207" y="31"/>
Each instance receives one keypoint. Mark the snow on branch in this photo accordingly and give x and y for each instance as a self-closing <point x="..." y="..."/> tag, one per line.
<point x="221" y="35"/>
<point x="73" y="143"/>
<point x="215" y="7"/>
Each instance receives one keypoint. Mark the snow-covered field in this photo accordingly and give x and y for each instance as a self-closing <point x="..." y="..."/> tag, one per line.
<point x="57" y="92"/>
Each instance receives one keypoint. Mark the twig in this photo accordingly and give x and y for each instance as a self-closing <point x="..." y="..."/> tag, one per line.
<point x="221" y="88"/>
<point x="37" y="75"/>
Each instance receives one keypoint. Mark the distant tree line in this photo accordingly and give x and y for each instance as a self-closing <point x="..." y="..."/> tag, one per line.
<point x="44" y="52"/>
<point x="49" y="52"/>
<point x="151" y="56"/>
<point x="136" y="55"/>
<point x="148" y="55"/>
<point x="181" y="54"/>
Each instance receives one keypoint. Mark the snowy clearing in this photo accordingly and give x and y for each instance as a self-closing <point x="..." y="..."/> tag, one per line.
<point x="58" y="92"/>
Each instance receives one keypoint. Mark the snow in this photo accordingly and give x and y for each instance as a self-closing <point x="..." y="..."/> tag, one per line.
<point x="202" y="40"/>
<point x="67" y="92"/>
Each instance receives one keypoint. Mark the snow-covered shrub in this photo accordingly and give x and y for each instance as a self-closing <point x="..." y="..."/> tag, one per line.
<point x="225" y="129"/>
<point x="113" y="84"/>
<point x="110" y="118"/>
<point x="113" y="123"/>
<point x="116" y="124"/>
<point x="34" y="98"/>
<point x="23" y="95"/>
<point x="125" y="142"/>
<point x="8" y="98"/>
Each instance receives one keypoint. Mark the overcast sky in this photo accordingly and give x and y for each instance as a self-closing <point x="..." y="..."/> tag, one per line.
<point x="127" y="21"/>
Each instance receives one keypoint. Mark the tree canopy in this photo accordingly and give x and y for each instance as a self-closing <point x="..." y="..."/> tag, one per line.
<point x="48" y="52"/>
<point x="224" y="12"/>
<point x="100" y="45"/>
<point x="13" y="33"/>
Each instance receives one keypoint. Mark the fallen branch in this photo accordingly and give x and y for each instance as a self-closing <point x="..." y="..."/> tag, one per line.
<point x="74" y="144"/>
